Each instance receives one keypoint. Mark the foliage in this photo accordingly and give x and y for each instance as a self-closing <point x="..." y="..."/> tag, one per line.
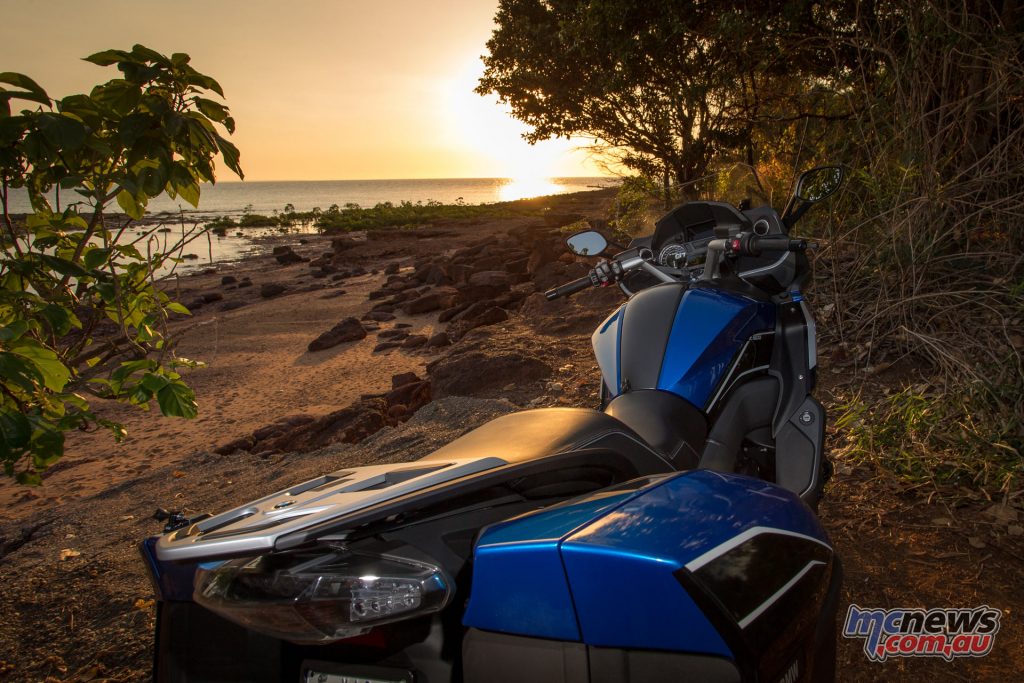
<point x="81" y="314"/>
<point x="630" y="213"/>
<point x="668" y="88"/>
<point x="409" y="214"/>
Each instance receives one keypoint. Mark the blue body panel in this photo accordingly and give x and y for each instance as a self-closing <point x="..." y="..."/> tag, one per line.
<point x="710" y="328"/>
<point x="610" y="568"/>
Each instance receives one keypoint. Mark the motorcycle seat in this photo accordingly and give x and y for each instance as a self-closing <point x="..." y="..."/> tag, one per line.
<point x="534" y="434"/>
<point x="669" y="423"/>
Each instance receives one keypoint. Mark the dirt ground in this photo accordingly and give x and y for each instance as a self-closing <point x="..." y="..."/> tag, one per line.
<point x="76" y="604"/>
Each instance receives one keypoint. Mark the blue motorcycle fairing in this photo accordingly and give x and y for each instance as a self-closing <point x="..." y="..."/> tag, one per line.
<point x="711" y="325"/>
<point x="617" y="582"/>
<point x="686" y="354"/>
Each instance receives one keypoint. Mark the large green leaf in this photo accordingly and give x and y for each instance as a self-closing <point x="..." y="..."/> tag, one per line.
<point x="54" y="373"/>
<point x="107" y="57"/>
<point x="15" y="431"/>
<point x="177" y="400"/>
<point x="19" y="373"/>
<point x="231" y="156"/>
<point x="130" y="205"/>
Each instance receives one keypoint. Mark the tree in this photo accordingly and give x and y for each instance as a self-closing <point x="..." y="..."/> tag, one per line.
<point x="82" y="315"/>
<point x="666" y="87"/>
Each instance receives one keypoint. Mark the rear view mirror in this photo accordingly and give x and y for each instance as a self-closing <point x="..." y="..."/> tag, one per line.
<point x="819" y="183"/>
<point x="587" y="243"/>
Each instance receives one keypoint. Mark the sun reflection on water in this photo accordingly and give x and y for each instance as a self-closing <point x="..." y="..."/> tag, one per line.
<point x="523" y="188"/>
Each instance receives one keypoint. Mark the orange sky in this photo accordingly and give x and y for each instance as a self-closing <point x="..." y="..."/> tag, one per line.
<point x="320" y="89"/>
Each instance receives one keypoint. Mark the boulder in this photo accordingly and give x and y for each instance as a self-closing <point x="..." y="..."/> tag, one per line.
<point x="438" y="340"/>
<point x="379" y="316"/>
<point x="286" y="256"/>
<point x="431" y="301"/>
<point x="391" y="268"/>
<point x="481" y="374"/>
<point x="228" y="280"/>
<point x="414" y="341"/>
<point x="497" y="279"/>
<point x="347" y="330"/>
<point x="269" y="289"/>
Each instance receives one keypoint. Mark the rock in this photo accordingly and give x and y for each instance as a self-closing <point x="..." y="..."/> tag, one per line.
<point x="384" y="346"/>
<point x="479" y="374"/>
<point x="397" y="412"/>
<point x="348" y="425"/>
<point x="340" y="244"/>
<point x="232" y="305"/>
<point x="391" y="268"/>
<point x="403" y="378"/>
<point x="246" y="282"/>
<point x="541" y="255"/>
<point x="431" y="273"/>
<point x="281" y="426"/>
<point x="450" y="313"/>
<point x="414" y="341"/>
<point x="228" y="280"/>
<point x="286" y="255"/>
<point x="431" y="301"/>
<point x="412" y="395"/>
<point x="439" y="339"/>
<point x="379" y="316"/>
<point x="335" y="294"/>
<point x="194" y="305"/>
<point x="497" y="279"/>
<point x="211" y="297"/>
<point x="393" y="334"/>
<point x="347" y="330"/>
<point x="399" y="326"/>
<point x="269" y="289"/>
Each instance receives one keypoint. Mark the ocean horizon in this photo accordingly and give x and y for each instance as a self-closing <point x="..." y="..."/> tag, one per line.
<point x="267" y="196"/>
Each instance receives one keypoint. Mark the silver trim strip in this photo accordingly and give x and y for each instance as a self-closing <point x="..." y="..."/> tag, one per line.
<point x="778" y="594"/>
<point x="721" y="549"/>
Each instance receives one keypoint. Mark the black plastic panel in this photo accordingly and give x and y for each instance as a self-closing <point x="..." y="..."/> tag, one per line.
<point x="646" y="327"/>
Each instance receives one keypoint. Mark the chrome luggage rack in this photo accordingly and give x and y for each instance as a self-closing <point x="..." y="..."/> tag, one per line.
<point x="254" y="528"/>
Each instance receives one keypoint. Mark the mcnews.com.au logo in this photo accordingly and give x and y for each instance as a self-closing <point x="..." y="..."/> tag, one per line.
<point x="948" y="633"/>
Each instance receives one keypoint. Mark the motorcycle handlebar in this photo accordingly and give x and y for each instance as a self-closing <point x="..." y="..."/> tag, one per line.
<point x="569" y="288"/>
<point x="754" y="245"/>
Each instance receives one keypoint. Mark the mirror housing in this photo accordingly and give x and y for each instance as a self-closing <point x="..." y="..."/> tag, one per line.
<point x="818" y="183"/>
<point x="587" y="243"/>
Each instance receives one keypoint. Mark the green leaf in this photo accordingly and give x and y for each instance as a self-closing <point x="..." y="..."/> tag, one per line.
<point x="154" y="382"/>
<point x="64" y="266"/>
<point x="107" y="57"/>
<point x="96" y="257"/>
<point x="24" y="82"/>
<point x="175" y="307"/>
<point x="177" y="400"/>
<point x="15" y="430"/>
<point x="61" y="130"/>
<point x="54" y="373"/>
<point x="118" y="95"/>
<point x="60" y="319"/>
<point x="213" y="110"/>
<point x="13" y="330"/>
<point x="130" y="205"/>
<point x="231" y="156"/>
<point x="19" y="372"/>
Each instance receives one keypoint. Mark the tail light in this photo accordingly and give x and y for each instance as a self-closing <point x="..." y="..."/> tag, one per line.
<point x="314" y="597"/>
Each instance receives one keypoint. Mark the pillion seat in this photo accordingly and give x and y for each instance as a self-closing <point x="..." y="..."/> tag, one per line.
<point x="535" y="434"/>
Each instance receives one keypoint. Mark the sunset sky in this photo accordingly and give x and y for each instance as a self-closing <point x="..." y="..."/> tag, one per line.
<point x="323" y="89"/>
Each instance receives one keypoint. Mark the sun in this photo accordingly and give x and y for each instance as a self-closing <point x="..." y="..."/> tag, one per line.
<point x="484" y="128"/>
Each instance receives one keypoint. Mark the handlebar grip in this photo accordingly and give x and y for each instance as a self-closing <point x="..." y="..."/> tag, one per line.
<point x="569" y="288"/>
<point x="756" y="245"/>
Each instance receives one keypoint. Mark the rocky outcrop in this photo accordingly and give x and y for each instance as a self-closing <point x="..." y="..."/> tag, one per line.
<point x="352" y="424"/>
<point x="347" y="330"/>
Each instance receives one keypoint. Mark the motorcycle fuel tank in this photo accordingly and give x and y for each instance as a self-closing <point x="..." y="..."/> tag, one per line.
<point x="677" y="338"/>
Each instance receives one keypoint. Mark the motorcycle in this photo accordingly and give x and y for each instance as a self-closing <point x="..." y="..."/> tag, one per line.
<point x="670" y="534"/>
